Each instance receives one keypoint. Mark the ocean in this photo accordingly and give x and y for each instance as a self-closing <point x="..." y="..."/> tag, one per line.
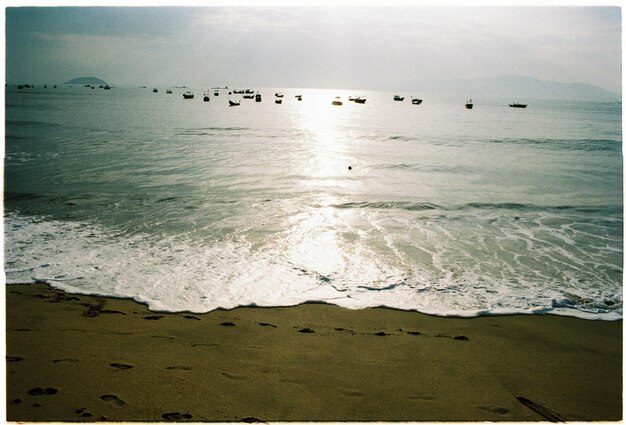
<point x="188" y="205"/>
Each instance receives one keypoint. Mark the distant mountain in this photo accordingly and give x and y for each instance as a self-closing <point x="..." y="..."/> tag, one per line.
<point x="87" y="80"/>
<point x="515" y="87"/>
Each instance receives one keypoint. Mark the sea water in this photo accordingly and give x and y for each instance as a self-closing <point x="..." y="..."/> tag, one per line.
<point x="191" y="206"/>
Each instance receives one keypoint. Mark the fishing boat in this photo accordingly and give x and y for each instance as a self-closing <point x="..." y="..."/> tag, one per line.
<point x="279" y="101"/>
<point x="238" y="91"/>
<point x="233" y="103"/>
<point x="248" y="96"/>
<point x="257" y="97"/>
<point x="168" y="91"/>
<point x="107" y="87"/>
<point x="416" y="101"/>
<point x="518" y="105"/>
<point x="216" y="93"/>
<point x="351" y="98"/>
<point x="360" y="100"/>
<point x="337" y="101"/>
<point x="398" y="98"/>
<point x="299" y="97"/>
<point x="469" y="104"/>
<point x="206" y="97"/>
<point x="278" y="94"/>
<point x="155" y="91"/>
<point x="188" y="95"/>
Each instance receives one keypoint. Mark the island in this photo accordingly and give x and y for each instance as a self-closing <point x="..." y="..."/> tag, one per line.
<point x="87" y="80"/>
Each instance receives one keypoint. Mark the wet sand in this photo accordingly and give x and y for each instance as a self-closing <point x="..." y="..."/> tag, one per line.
<point x="80" y="358"/>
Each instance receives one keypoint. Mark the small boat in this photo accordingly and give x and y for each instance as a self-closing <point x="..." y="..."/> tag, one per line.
<point x="248" y="96"/>
<point x="216" y="93"/>
<point x="155" y="91"/>
<point x="398" y="98"/>
<point x="299" y="97"/>
<point x="351" y="98"/>
<point x="188" y="95"/>
<point x="233" y="103"/>
<point x="206" y="97"/>
<point x="248" y="91"/>
<point x="416" y="101"/>
<point x="337" y="101"/>
<point x="469" y="104"/>
<point x="279" y="101"/>
<point x="360" y="100"/>
<point x="257" y="98"/>
<point x="168" y="91"/>
<point x="278" y="94"/>
<point x="238" y="91"/>
<point x="107" y="87"/>
<point x="518" y="105"/>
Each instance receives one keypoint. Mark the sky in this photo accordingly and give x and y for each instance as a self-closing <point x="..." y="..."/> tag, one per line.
<point x="316" y="46"/>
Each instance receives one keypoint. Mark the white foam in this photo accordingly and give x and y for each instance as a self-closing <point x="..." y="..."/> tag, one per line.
<point x="325" y="255"/>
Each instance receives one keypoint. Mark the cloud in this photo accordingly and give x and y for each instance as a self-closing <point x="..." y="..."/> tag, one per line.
<point x="318" y="46"/>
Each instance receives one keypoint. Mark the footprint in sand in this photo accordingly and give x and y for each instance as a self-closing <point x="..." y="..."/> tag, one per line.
<point x="251" y="420"/>
<point x="14" y="359"/>
<point x="176" y="416"/>
<point x="113" y="399"/>
<point x="83" y="412"/>
<point x="43" y="391"/>
<point x="178" y="368"/>
<point x="233" y="376"/>
<point x="121" y="366"/>
<point x="495" y="409"/>
<point x="65" y="361"/>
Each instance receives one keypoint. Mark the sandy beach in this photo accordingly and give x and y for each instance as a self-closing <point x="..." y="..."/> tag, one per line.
<point x="81" y="358"/>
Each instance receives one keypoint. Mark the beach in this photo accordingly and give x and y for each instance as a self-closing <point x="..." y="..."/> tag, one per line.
<point x="83" y="358"/>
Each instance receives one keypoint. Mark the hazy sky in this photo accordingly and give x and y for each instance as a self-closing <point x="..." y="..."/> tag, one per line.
<point x="334" y="47"/>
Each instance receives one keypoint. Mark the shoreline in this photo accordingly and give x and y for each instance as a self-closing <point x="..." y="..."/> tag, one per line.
<point x="90" y="358"/>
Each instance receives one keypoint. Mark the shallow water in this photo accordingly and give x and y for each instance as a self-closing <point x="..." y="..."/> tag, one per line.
<point x="192" y="205"/>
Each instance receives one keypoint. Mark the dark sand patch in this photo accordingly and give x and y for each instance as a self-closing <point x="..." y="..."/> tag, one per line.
<point x="341" y="373"/>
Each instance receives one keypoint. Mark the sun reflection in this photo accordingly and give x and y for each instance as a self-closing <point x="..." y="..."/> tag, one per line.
<point x="327" y="141"/>
<point x="316" y="240"/>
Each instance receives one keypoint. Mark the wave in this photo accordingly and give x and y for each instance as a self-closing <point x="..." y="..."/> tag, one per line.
<point x="434" y="269"/>
<point x="19" y="123"/>
<point x="587" y="145"/>
<point x="425" y="206"/>
<point x="204" y="131"/>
